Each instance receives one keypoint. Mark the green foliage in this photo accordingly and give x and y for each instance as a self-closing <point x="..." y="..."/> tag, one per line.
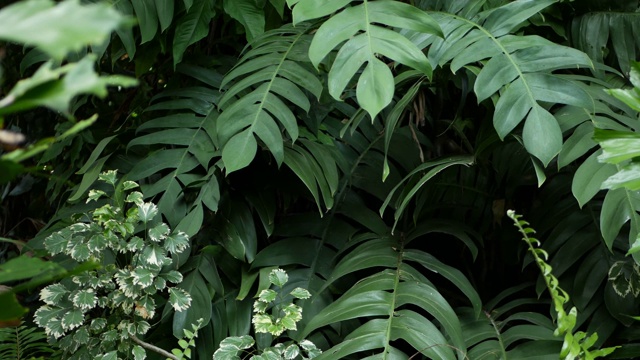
<point x="284" y="315"/>
<point x="397" y="243"/>
<point x="508" y="329"/>
<point x="187" y="342"/>
<point x="576" y="345"/>
<point x="24" y="342"/>
<point x="99" y="312"/>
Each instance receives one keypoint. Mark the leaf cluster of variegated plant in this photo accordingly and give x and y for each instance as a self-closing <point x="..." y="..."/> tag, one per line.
<point x="103" y="311"/>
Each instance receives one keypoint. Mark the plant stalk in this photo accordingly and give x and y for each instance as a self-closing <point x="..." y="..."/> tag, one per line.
<point x="153" y="348"/>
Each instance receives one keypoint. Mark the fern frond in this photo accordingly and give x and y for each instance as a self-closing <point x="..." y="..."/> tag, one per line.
<point x="24" y="342"/>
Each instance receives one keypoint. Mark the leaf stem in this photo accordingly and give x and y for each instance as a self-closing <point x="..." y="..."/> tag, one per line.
<point x="153" y="348"/>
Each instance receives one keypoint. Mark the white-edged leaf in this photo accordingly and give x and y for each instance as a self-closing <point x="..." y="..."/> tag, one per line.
<point x="179" y="299"/>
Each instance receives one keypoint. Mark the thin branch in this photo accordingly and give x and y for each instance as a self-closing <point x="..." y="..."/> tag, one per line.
<point x="153" y="348"/>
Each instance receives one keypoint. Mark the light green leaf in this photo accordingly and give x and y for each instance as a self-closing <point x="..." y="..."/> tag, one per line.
<point x="38" y="23"/>
<point x="542" y="136"/>
<point x="55" y="88"/>
<point x="158" y="232"/>
<point x="627" y="177"/>
<point x="239" y="151"/>
<point x="147" y="211"/>
<point x="176" y="243"/>
<point x="364" y="47"/>
<point x="375" y="87"/>
<point x="138" y="353"/>
<point x="142" y="277"/>
<point x="173" y="276"/>
<point x="26" y="267"/>
<point x="72" y="319"/>
<point x="617" y="146"/>
<point x="278" y="277"/>
<point x="154" y="255"/>
<point x="179" y="299"/>
<point x="300" y="293"/>
<point x="589" y="177"/>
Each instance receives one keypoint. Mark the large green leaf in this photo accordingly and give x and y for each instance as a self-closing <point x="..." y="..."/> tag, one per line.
<point x="147" y="17"/>
<point x="517" y="68"/>
<point x="612" y="30"/>
<point x="200" y="307"/>
<point x="269" y="73"/>
<point x="365" y="41"/>
<point x="38" y="23"/>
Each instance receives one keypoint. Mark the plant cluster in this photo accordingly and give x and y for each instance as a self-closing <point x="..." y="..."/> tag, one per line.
<point x="369" y="147"/>
<point x="102" y="312"/>
<point x="576" y="345"/>
<point x="284" y="315"/>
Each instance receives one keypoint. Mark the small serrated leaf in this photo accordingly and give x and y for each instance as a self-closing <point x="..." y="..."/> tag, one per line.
<point x="52" y="294"/>
<point x="179" y="299"/>
<point x="278" y="277"/>
<point x="138" y="353"/>
<point x="147" y="211"/>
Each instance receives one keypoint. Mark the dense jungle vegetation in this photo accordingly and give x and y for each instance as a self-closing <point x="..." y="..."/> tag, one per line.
<point x="319" y="179"/>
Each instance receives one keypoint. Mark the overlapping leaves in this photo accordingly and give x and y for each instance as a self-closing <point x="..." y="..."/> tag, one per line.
<point x="185" y="161"/>
<point x="518" y="69"/>
<point x="271" y="71"/>
<point x="380" y="301"/>
<point x="368" y="31"/>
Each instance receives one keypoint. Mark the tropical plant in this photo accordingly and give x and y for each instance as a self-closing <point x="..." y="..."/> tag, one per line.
<point x="36" y="23"/>
<point x="284" y="316"/>
<point x="575" y="345"/>
<point x="370" y="149"/>
<point x="101" y="313"/>
<point x="24" y="342"/>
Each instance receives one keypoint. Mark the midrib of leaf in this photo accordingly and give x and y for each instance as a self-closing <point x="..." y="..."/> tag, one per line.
<point x="186" y="148"/>
<point x="392" y="307"/>
<point x="368" y="32"/>
<point x="268" y="88"/>
<point x="498" y="335"/>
